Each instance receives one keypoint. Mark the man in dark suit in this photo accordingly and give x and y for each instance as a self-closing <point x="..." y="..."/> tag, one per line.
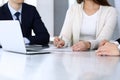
<point x="29" y="19"/>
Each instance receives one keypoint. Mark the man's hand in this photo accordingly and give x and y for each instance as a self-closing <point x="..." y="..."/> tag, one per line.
<point x="108" y="49"/>
<point x="102" y="43"/>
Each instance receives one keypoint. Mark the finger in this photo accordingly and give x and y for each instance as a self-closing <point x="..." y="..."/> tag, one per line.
<point x="57" y="39"/>
<point x="60" y="44"/>
<point x="99" y="53"/>
<point x="76" y="49"/>
<point x="102" y="53"/>
<point x="102" y="43"/>
<point x="101" y="49"/>
<point x="75" y="46"/>
<point x="55" y="43"/>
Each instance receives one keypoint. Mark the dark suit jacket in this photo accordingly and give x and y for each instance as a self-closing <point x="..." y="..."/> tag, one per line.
<point x="118" y="40"/>
<point x="30" y="19"/>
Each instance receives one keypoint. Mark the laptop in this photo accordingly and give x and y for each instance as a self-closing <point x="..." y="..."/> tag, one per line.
<point x="11" y="39"/>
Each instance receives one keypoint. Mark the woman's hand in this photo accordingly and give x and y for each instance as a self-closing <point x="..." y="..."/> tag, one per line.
<point x="59" y="43"/>
<point x="81" y="46"/>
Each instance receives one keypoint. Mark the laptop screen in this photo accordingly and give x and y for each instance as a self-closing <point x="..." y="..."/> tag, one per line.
<point x="11" y="37"/>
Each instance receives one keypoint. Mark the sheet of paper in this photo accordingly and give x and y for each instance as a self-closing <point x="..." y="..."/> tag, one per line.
<point x="54" y="49"/>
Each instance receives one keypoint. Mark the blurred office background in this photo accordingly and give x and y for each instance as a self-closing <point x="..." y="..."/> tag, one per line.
<point x="53" y="13"/>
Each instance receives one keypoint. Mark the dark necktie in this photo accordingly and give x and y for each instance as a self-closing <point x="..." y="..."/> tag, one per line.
<point x="17" y="14"/>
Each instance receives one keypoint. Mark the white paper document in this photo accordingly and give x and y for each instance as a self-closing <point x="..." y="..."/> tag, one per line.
<point x="54" y="49"/>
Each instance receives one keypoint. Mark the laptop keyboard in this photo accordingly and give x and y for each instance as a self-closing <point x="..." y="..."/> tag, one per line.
<point x="35" y="47"/>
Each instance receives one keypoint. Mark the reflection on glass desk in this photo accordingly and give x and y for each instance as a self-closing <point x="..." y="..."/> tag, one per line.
<point x="59" y="66"/>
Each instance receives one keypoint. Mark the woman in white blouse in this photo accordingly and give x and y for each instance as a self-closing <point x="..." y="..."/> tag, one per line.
<point x="87" y="22"/>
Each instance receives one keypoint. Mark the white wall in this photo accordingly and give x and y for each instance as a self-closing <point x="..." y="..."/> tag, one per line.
<point x="71" y="2"/>
<point x="46" y="10"/>
<point x="32" y="2"/>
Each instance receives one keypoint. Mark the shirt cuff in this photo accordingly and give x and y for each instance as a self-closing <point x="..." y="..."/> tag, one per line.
<point x="116" y="43"/>
<point x="27" y="41"/>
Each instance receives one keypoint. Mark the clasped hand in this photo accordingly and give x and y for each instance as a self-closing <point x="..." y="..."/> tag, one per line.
<point x="107" y="48"/>
<point x="81" y="46"/>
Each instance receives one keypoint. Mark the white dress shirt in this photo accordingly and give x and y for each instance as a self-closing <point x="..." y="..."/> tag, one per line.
<point x="116" y="43"/>
<point x="13" y="11"/>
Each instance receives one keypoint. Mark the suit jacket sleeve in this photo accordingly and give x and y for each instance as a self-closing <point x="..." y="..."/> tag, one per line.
<point x="41" y="34"/>
<point x="118" y="40"/>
